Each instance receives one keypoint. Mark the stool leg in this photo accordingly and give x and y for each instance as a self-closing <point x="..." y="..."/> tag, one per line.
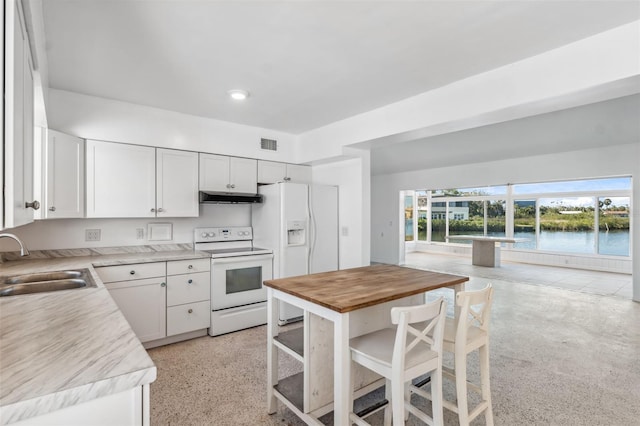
<point x="397" y="401"/>
<point x="436" y="396"/>
<point x="484" y="382"/>
<point x="407" y="397"/>
<point x="461" y="386"/>
<point x="387" y="409"/>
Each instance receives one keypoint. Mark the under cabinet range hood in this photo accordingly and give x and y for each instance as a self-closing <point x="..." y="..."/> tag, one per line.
<point x="207" y="197"/>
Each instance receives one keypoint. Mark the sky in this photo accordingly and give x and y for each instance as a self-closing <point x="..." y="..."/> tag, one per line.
<point x="592" y="185"/>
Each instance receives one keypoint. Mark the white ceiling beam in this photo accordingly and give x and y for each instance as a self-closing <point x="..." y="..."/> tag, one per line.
<point x="597" y="68"/>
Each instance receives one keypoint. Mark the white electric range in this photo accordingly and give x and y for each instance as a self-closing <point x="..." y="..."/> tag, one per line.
<point x="238" y="298"/>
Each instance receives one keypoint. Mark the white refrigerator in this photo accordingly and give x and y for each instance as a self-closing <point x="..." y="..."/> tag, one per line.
<point x="299" y="223"/>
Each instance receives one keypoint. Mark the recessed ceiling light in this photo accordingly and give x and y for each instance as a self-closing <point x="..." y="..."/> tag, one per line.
<point x="238" y="95"/>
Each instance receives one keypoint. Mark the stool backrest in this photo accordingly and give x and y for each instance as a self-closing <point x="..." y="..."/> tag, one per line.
<point x="475" y="311"/>
<point x="430" y="320"/>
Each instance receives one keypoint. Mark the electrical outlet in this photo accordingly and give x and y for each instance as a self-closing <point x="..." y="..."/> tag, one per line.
<point x="92" y="235"/>
<point x="140" y="233"/>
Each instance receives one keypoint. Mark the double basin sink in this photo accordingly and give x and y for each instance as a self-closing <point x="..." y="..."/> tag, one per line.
<point x="45" y="282"/>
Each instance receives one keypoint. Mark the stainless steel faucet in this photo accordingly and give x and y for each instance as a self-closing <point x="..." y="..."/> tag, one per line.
<point x="23" y="249"/>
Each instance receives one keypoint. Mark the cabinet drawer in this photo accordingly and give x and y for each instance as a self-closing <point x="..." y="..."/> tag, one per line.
<point x="188" y="266"/>
<point x="188" y="288"/>
<point x="189" y="317"/>
<point x="137" y="271"/>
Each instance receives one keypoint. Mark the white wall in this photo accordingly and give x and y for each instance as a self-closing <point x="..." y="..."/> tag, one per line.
<point x="70" y="233"/>
<point x="103" y="119"/>
<point x="91" y="117"/>
<point x="599" y="162"/>
<point x="352" y="177"/>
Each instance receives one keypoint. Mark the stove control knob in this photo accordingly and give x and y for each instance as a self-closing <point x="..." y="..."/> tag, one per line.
<point x="211" y="234"/>
<point x="204" y="235"/>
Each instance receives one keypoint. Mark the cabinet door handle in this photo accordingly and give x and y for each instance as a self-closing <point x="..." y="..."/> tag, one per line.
<point x="233" y="185"/>
<point x="132" y="272"/>
<point x="287" y="179"/>
<point x="190" y="282"/>
<point x="163" y="284"/>
<point x="228" y="185"/>
<point x="52" y="208"/>
<point x="190" y="267"/>
<point x="153" y="210"/>
<point x="160" y="210"/>
<point x="35" y="204"/>
<point x="190" y="311"/>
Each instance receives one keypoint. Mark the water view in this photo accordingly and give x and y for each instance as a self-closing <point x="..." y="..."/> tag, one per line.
<point x="566" y="214"/>
<point x="611" y="243"/>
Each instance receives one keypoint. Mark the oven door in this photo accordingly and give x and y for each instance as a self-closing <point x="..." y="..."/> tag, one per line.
<point x="237" y="281"/>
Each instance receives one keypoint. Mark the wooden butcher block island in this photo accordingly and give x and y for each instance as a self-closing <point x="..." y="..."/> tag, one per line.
<point x="337" y="306"/>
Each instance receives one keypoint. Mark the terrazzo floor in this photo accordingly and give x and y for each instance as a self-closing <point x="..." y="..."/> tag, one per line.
<point x="558" y="357"/>
<point x="602" y="283"/>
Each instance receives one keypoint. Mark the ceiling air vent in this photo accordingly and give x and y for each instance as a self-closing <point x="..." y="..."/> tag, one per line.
<point x="269" y="144"/>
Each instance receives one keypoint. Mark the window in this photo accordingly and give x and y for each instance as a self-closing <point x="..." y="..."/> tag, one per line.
<point x="408" y="218"/>
<point x="524" y="224"/>
<point x="583" y="216"/>
<point x="567" y="225"/>
<point x="438" y="221"/>
<point x="613" y="225"/>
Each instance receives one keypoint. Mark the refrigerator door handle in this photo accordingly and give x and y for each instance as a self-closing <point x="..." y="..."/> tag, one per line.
<point x="313" y="231"/>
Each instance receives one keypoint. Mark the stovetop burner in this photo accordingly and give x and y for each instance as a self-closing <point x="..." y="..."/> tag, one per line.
<point x="228" y="241"/>
<point x="239" y="251"/>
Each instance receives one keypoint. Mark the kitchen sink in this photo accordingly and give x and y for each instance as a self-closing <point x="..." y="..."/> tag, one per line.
<point x="42" y="276"/>
<point x="45" y="282"/>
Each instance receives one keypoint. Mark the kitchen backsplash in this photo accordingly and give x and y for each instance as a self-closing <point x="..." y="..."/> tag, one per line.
<point x="70" y="234"/>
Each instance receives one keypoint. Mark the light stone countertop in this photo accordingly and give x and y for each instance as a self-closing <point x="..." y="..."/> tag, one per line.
<point x="62" y="348"/>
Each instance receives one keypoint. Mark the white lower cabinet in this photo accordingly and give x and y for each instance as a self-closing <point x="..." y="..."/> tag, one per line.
<point x="128" y="408"/>
<point x="188" y="296"/>
<point x="162" y="299"/>
<point x="188" y="317"/>
<point x="144" y="304"/>
<point x="188" y="288"/>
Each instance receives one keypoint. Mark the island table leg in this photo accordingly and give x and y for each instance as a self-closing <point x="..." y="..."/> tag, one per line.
<point x="272" y="353"/>
<point x="341" y="370"/>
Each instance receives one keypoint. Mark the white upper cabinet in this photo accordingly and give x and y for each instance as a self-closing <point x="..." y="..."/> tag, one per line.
<point x="214" y="173"/>
<point x="140" y="181"/>
<point x="243" y="175"/>
<point x="64" y="171"/>
<point x="121" y="180"/>
<point x="272" y="172"/>
<point x="177" y="183"/>
<point x="299" y="174"/>
<point x="219" y="173"/>
<point x="18" y="203"/>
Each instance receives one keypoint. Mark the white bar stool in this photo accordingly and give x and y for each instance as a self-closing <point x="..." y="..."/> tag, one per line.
<point x="471" y="333"/>
<point x="400" y="358"/>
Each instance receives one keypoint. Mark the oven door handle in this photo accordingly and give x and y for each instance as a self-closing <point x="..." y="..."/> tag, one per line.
<point x="241" y="259"/>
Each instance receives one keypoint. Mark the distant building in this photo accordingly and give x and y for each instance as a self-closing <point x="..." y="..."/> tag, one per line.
<point x="458" y="210"/>
<point x="616" y="213"/>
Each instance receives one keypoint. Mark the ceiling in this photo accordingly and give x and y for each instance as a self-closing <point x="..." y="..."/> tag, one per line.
<point x="305" y="63"/>
<point x="613" y="122"/>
